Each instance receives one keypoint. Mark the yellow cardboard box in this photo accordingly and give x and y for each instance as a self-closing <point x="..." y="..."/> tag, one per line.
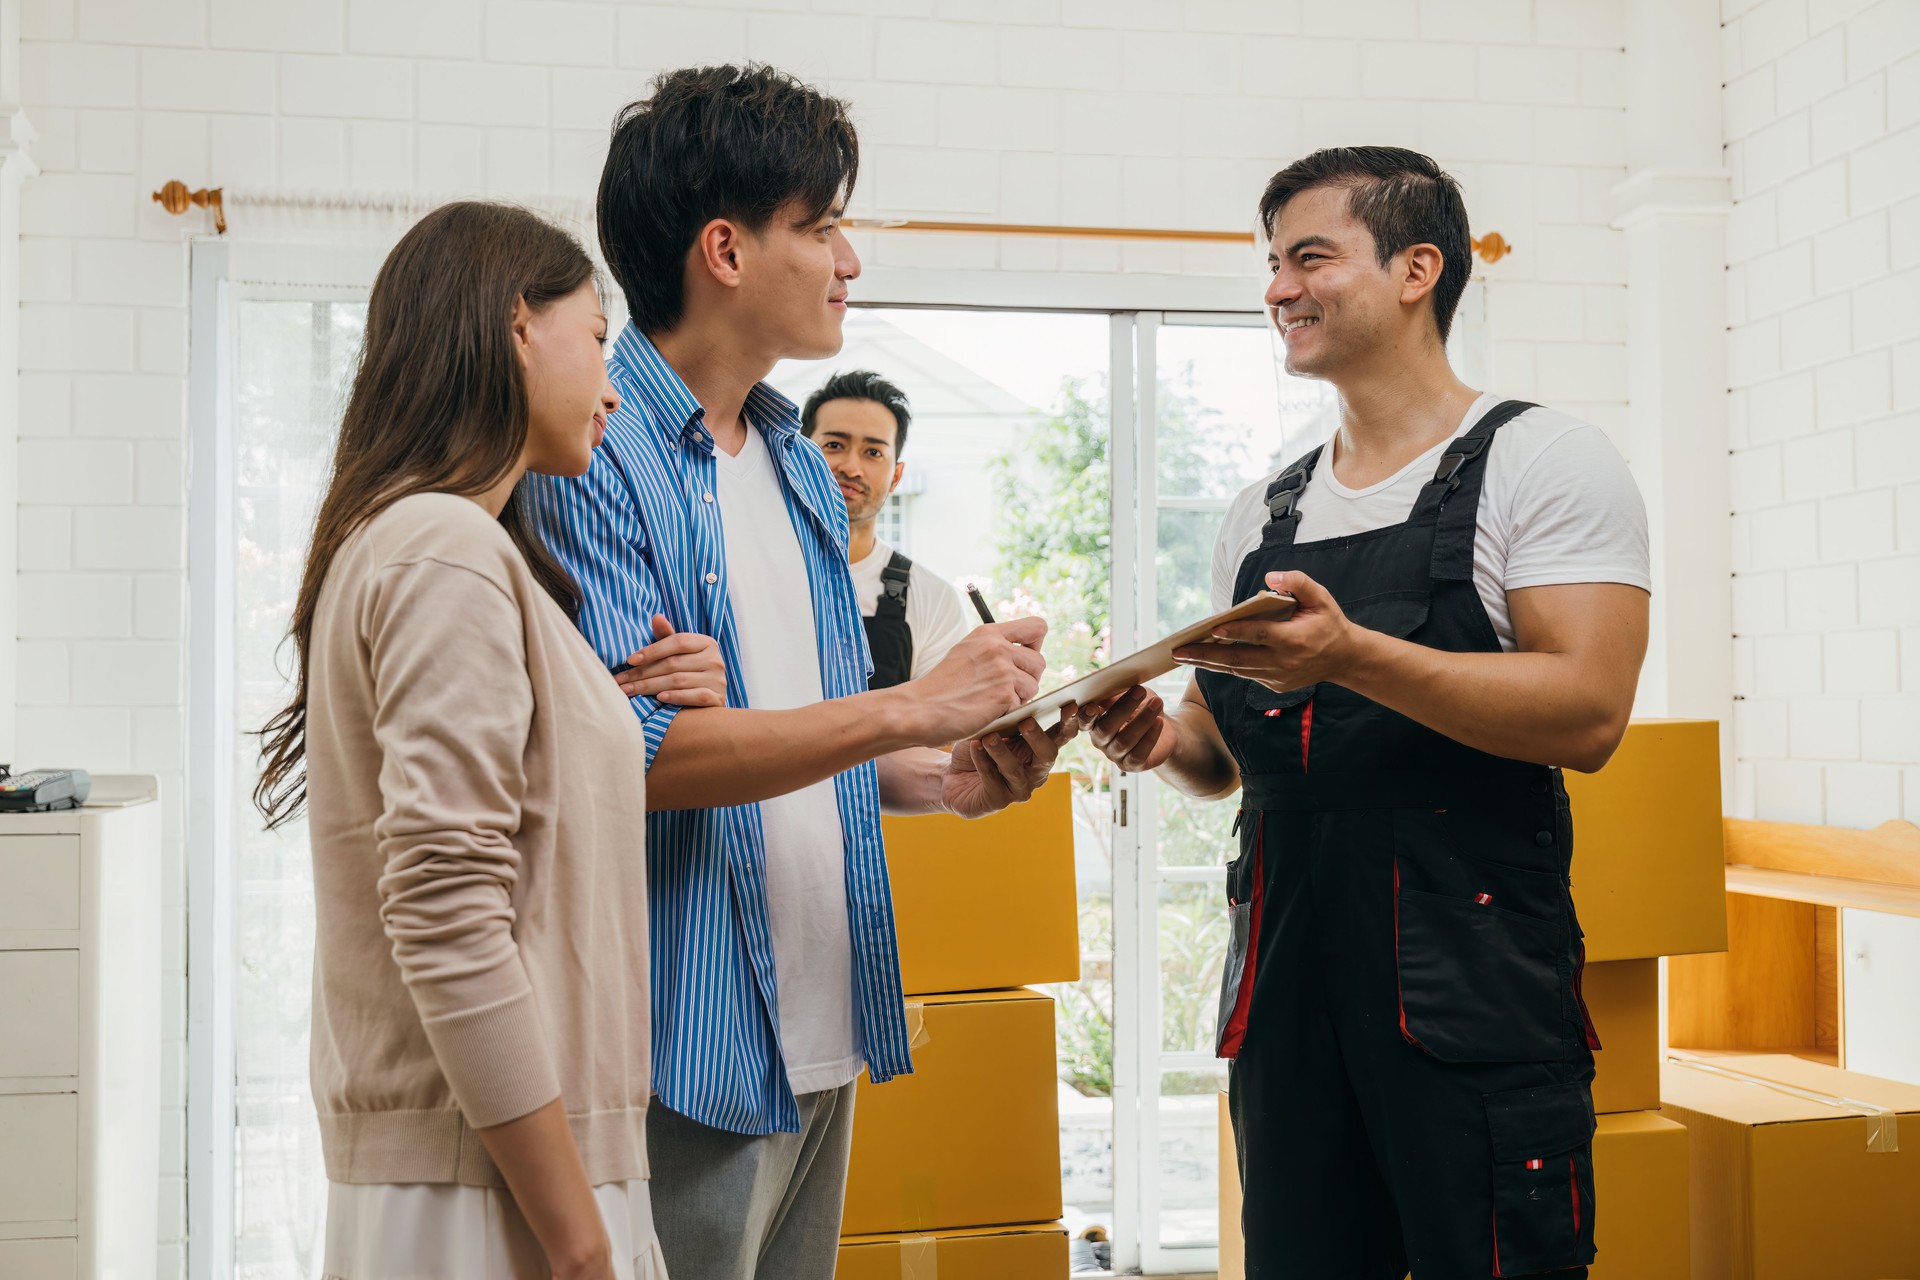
<point x="1034" y="1252"/>
<point x="1640" y="1221"/>
<point x="1649" y="868"/>
<point x="989" y="902"/>
<point x="1799" y="1170"/>
<point x="972" y="1137"/>
<point x="1640" y="1182"/>
<point x="1623" y="998"/>
<point x="1233" y="1249"/>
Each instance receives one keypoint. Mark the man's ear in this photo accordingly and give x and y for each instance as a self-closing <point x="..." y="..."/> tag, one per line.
<point x="1421" y="274"/>
<point x="716" y="251"/>
<point x="899" y="469"/>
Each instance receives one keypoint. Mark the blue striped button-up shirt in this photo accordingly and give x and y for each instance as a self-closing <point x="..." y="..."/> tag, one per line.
<point x="641" y="533"/>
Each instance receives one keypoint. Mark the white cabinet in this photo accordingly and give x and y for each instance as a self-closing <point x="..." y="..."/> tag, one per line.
<point x="80" y="1039"/>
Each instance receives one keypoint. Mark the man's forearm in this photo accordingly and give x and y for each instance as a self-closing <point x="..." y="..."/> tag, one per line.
<point x="911" y="781"/>
<point x="717" y="756"/>
<point x="1537" y="707"/>
<point x="1200" y="764"/>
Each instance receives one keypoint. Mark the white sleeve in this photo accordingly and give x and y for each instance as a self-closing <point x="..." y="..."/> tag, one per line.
<point x="1239" y="534"/>
<point x="936" y="618"/>
<point x="1575" y="515"/>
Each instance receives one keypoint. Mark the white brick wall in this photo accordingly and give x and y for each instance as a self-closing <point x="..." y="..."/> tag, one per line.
<point x="1144" y="112"/>
<point x="1827" y="440"/>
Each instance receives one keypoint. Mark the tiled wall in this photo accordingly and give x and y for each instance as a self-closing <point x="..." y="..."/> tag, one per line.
<point x="1822" y="116"/>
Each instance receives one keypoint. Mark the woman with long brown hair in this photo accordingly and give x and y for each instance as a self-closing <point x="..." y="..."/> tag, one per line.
<point x="475" y="788"/>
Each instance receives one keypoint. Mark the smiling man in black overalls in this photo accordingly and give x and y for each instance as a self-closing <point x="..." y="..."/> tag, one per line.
<point x="1410" y="1087"/>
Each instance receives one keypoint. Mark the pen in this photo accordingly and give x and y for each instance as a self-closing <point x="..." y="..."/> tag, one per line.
<point x="979" y="603"/>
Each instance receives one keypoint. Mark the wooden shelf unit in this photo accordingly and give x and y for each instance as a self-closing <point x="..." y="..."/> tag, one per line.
<point x="1779" y="985"/>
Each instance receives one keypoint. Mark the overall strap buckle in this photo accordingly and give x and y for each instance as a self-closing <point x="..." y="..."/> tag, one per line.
<point x="1284" y="493"/>
<point x="1458" y="455"/>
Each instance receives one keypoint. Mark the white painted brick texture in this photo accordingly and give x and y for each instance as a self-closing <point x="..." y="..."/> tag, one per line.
<point x="1819" y="115"/>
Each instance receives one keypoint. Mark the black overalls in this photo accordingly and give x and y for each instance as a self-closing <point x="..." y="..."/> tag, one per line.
<point x="888" y="635"/>
<point x="1412" y="1056"/>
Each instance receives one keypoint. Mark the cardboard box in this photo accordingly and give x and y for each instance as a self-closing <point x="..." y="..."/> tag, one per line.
<point x="1640" y="1227"/>
<point x="1794" y="1175"/>
<point x="972" y="1137"/>
<point x="1649" y="867"/>
<point x="1233" y="1249"/>
<point x="1036" y="1252"/>
<point x="986" y="903"/>
<point x="1623" y="998"/>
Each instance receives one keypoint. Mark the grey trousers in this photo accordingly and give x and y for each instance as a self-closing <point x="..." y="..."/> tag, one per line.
<point x="731" y="1207"/>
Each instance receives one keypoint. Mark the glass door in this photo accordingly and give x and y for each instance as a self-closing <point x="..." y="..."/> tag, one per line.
<point x="1219" y="414"/>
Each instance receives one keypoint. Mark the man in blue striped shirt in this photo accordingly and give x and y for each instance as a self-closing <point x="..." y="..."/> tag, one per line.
<point x="775" y="973"/>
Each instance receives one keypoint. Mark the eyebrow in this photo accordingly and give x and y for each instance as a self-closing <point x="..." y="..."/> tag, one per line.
<point x="1307" y="242"/>
<point x="848" y="435"/>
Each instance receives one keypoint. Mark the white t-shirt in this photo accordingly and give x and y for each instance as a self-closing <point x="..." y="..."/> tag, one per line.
<point x="1557" y="506"/>
<point x="934" y="612"/>
<point x="805" y="850"/>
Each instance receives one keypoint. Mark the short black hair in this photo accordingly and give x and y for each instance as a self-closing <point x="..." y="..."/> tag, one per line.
<point x="860" y="384"/>
<point x="1402" y="197"/>
<point x="713" y="142"/>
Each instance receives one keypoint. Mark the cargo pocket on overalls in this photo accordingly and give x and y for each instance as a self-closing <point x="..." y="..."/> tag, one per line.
<point x="1477" y="983"/>
<point x="1246" y="884"/>
<point x="1542" y="1143"/>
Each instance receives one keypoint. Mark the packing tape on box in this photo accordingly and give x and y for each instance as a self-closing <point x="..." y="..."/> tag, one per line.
<point x="919" y="1258"/>
<point x="916" y="1024"/>
<point x="1883" y="1123"/>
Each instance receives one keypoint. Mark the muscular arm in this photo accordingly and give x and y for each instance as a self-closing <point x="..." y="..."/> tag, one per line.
<point x="1563" y="699"/>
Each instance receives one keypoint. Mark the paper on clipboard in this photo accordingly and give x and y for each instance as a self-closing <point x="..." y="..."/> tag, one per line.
<point x="1146" y="664"/>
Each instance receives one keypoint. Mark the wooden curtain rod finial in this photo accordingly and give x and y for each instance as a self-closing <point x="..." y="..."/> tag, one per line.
<point x="176" y="199"/>
<point x="1491" y="247"/>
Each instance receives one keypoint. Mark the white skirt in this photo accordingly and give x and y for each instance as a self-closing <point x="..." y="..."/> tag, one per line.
<point x="435" y="1230"/>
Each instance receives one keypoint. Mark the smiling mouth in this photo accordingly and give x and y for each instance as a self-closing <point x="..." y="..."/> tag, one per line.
<point x="1288" y="326"/>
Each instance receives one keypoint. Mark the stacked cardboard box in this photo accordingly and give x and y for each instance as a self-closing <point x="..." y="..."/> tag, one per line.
<point x="1798" y="1168"/>
<point x="1648" y="881"/>
<point x="955" y="1169"/>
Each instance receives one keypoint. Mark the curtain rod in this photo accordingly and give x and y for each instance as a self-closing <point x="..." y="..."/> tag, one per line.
<point x="177" y="199"/>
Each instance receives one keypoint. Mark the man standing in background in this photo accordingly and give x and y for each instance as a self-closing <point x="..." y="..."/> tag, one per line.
<point x="912" y="615"/>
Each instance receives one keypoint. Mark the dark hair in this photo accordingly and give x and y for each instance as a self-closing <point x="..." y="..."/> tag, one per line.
<point x="713" y="142"/>
<point x="861" y="384"/>
<point x="438" y="405"/>
<point x="1401" y="197"/>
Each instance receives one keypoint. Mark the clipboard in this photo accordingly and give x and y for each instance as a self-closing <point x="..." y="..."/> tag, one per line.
<point x="1146" y="664"/>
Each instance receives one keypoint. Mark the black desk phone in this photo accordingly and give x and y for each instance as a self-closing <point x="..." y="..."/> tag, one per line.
<point x="40" y="790"/>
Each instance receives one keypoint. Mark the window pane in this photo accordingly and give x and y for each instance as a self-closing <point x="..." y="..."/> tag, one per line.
<point x="292" y="359"/>
<point x="1195" y="832"/>
<point x="1007" y="468"/>
<point x="1228" y="413"/>
<point x="1188" y="1163"/>
<point x="1193" y="950"/>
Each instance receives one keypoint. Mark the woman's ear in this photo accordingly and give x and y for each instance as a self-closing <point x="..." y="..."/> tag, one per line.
<point x="521" y="327"/>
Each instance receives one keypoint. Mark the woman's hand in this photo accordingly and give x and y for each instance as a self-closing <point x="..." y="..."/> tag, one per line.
<point x="680" y="668"/>
<point x="548" y="1181"/>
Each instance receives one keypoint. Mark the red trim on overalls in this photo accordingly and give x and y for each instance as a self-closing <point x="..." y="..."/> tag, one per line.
<point x="1573" y="1184"/>
<point x="1306" y="731"/>
<point x="1398" y="996"/>
<point x="1586" y="1018"/>
<point x="1236" y="1030"/>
